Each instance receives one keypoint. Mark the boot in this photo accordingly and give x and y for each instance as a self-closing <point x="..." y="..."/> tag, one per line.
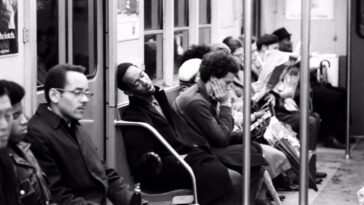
<point x="332" y="142"/>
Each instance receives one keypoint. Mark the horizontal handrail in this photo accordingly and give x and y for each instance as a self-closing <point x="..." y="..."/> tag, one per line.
<point x="169" y="148"/>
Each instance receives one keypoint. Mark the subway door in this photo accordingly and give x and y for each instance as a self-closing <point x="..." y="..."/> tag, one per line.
<point x="71" y="32"/>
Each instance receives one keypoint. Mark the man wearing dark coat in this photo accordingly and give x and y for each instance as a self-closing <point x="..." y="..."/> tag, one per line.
<point x="215" y="183"/>
<point x="76" y="174"/>
<point x="198" y="106"/>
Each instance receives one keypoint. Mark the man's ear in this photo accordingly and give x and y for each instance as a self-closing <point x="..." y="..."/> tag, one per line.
<point x="54" y="95"/>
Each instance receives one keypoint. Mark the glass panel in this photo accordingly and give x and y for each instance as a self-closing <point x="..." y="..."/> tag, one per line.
<point x="257" y="17"/>
<point x="153" y="58"/>
<point x="128" y="6"/>
<point x="84" y="24"/>
<point x="153" y="15"/>
<point x="47" y="37"/>
<point x="205" y="12"/>
<point x="181" y="13"/>
<point x="180" y="45"/>
<point x="205" y="36"/>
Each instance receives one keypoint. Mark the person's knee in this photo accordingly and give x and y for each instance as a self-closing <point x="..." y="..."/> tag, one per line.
<point x="313" y="122"/>
<point x="236" y="180"/>
<point x="234" y="197"/>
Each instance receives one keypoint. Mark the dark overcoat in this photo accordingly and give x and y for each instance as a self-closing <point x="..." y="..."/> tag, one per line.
<point x="76" y="174"/>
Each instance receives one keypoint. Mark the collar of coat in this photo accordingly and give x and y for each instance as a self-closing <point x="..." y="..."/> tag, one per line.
<point x="144" y="102"/>
<point x="51" y="117"/>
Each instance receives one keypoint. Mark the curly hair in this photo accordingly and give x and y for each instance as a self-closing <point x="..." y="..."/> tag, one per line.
<point x="218" y="64"/>
<point x="195" y="51"/>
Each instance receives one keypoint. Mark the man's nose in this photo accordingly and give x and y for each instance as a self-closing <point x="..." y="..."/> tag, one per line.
<point x="24" y="119"/>
<point x="144" y="82"/>
<point x="84" y="98"/>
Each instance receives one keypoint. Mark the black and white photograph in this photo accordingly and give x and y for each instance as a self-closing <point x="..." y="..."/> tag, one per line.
<point x="181" y="102"/>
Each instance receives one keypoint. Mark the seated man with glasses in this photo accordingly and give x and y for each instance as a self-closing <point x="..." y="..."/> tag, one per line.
<point x="75" y="172"/>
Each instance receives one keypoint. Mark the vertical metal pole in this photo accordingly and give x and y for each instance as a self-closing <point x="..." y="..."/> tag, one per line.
<point x="304" y="101"/>
<point x="110" y="73"/>
<point x="248" y="6"/>
<point x="69" y="38"/>
<point x="348" y="81"/>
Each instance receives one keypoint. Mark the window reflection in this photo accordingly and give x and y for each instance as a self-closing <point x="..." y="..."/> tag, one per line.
<point x="153" y="47"/>
<point x="181" y="13"/>
<point x="205" y="12"/>
<point x="128" y="7"/>
<point x="84" y="35"/>
<point x="153" y="15"/>
<point x="180" y="45"/>
<point x="47" y="37"/>
<point x="205" y="36"/>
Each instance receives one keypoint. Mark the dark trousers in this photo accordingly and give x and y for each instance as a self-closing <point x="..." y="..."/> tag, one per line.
<point x="330" y="103"/>
<point x="293" y="119"/>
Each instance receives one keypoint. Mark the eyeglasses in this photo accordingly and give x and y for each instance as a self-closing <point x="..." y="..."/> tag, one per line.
<point x="239" y="55"/>
<point x="78" y="93"/>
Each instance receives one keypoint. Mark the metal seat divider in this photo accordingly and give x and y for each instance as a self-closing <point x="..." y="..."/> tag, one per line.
<point x="169" y="148"/>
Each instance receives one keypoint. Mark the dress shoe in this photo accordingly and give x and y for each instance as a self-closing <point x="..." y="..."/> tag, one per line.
<point x="270" y="198"/>
<point x="293" y="187"/>
<point x="320" y="175"/>
<point x="333" y="143"/>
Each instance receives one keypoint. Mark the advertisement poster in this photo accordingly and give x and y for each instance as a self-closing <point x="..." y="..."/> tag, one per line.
<point x="128" y="20"/>
<point x="320" y="9"/>
<point x="8" y="27"/>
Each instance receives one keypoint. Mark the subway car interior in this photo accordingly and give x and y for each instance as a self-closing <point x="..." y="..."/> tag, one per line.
<point x="277" y="80"/>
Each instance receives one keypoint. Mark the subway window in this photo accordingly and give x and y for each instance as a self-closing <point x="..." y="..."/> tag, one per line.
<point x="75" y="42"/>
<point x="205" y="22"/>
<point x="153" y="38"/>
<point x="47" y="37"/>
<point x="181" y="14"/>
<point x="153" y="50"/>
<point x="84" y="35"/>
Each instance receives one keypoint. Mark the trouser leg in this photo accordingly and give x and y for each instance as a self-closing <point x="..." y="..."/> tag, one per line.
<point x="234" y="197"/>
<point x="293" y="119"/>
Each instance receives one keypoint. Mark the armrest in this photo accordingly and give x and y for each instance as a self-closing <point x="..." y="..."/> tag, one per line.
<point x="167" y="145"/>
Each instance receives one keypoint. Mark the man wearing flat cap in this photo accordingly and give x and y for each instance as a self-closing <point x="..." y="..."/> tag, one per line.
<point x="284" y="37"/>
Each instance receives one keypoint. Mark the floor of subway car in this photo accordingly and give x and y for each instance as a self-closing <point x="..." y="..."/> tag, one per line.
<point x="344" y="177"/>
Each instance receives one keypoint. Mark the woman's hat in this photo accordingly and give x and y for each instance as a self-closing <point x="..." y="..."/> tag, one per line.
<point x="282" y="33"/>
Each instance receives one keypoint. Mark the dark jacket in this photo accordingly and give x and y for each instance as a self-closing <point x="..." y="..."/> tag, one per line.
<point x="199" y="111"/>
<point x="76" y="174"/>
<point x="32" y="188"/>
<point x="212" y="177"/>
